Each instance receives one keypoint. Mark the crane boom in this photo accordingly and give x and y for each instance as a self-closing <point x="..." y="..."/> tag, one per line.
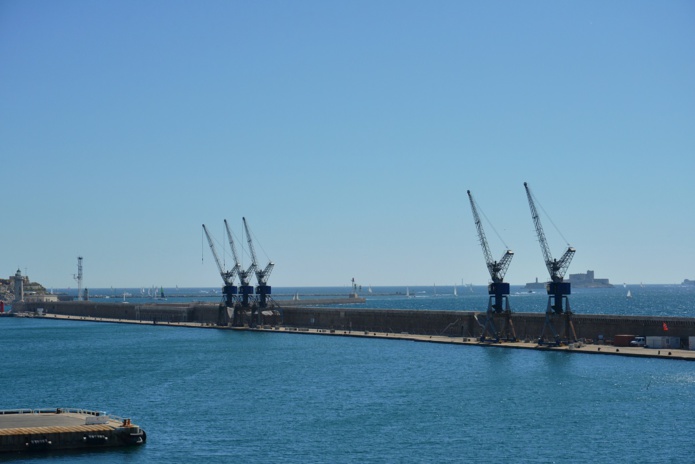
<point x="227" y="277"/>
<point x="500" y="269"/>
<point x="237" y="266"/>
<point x="244" y="276"/>
<point x="497" y="269"/>
<point x="250" y="242"/>
<point x="556" y="268"/>
<point x="261" y="275"/>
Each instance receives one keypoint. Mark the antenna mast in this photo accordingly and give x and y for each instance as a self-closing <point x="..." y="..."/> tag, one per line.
<point x="78" y="278"/>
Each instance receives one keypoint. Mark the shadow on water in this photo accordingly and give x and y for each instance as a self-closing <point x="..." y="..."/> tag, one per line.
<point x="69" y="456"/>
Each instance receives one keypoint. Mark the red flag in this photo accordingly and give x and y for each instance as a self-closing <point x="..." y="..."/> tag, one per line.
<point x="665" y="326"/>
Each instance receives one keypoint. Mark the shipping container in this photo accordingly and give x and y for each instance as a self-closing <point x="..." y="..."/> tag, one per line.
<point x="663" y="342"/>
<point x="623" y="340"/>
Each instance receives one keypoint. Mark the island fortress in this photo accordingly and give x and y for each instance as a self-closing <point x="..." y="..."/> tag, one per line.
<point x="588" y="281"/>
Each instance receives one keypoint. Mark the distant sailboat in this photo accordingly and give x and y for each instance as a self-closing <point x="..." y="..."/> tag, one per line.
<point x="629" y="294"/>
<point x="455" y="291"/>
<point x="369" y="289"/>
<point x="407" y="292"/>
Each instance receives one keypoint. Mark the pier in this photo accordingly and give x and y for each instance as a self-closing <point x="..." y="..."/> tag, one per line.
<point x="64" y="429"/>
<point x="596" y="333"/>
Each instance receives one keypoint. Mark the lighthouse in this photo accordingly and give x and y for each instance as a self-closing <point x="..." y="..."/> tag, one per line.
<point x="18" y="287"/>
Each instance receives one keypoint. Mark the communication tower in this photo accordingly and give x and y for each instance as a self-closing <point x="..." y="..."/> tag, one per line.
<point x="78" y="278"/>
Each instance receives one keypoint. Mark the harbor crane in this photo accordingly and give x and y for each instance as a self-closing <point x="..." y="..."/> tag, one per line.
<point x="245" y="287"/>
<point x="229" y="290"/>
<point x="498" y="289"/>
<point x="263" y="289"/>
<point x="557" y="288"/>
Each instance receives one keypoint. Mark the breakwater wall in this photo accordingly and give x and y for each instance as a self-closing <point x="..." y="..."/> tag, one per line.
<point x="165" y="312"/>
<point x="469" y="324"/>
<point x="421" y="322"/>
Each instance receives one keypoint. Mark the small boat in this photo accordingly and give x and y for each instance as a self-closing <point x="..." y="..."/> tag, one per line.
<point x="629" y="294"/>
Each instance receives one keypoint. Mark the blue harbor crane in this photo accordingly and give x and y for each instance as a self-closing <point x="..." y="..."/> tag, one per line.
<point x="498" y="289"/>
<point x="245" y="287"/>
<point x="228" y="276"/>
<point x="557" y="288"/>
<point x="263" y="289"/>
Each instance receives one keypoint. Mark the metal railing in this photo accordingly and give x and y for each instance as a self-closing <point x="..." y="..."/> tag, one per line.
<point x="86" y="412"/>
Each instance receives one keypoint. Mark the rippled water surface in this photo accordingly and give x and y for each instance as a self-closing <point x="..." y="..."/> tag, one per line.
<point x="206" y="395"/>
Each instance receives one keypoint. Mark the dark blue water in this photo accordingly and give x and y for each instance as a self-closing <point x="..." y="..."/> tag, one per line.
<point x="205" y="395"/>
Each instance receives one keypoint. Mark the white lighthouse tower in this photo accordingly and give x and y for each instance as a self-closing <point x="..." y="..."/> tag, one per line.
<point x="18" y="287"/>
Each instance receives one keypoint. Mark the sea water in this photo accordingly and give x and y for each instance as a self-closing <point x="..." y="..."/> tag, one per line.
<point x="207" y="395"/>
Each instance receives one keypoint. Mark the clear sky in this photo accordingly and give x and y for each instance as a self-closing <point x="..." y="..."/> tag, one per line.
<point x="347" y="133"/>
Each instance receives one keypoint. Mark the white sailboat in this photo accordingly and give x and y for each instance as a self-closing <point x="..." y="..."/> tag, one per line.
<point x="407" y="292"/>
<point x="629" y="294"/>
<point x="455" y="291"/>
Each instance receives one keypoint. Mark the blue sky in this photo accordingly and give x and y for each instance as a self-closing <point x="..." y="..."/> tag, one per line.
<point x="347" y="133"/>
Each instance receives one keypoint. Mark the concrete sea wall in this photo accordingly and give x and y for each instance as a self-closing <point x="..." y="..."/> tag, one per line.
<point x="468" y="324"/>
<point x="528" y="326"/>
